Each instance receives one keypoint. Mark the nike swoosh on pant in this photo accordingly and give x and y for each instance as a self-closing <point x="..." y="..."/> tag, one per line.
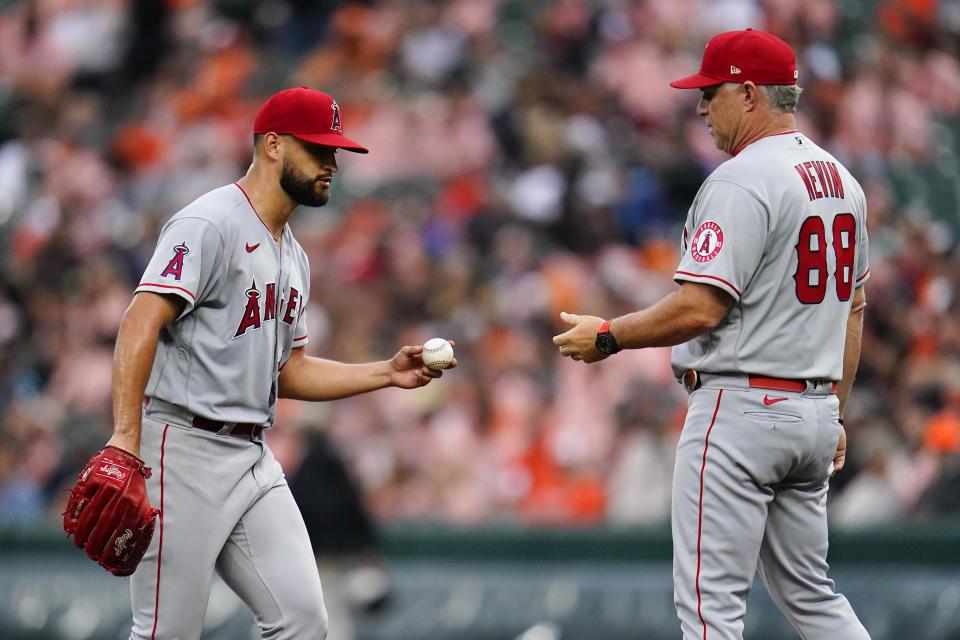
<point x="767" y="400"/>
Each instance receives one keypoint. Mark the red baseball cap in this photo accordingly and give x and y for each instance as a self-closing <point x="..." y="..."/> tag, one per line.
<point x="308" y="115"/>
<point x="739" y="56"/>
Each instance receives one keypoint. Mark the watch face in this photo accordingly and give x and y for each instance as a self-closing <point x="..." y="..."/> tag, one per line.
<point x="605" y="344"/>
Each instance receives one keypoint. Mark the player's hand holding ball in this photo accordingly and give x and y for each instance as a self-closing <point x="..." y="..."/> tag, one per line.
<point x="437" y="353"/>
<point x="415" y="366"/>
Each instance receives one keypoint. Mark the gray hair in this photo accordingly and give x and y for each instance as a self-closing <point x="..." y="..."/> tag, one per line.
<point x="782" y="98"/>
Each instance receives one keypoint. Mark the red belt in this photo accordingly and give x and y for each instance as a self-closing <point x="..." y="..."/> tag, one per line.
<point x="779" y="384"/>
<point x="691" y="380"/>
<point x="245" y="429"/>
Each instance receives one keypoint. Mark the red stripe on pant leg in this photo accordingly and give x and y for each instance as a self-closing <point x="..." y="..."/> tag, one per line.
<point x="156" y="603"/>
<point x="706" y="445"/>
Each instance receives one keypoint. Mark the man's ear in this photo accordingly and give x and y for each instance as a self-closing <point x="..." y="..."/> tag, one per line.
<point x="751" y="96"/>
<point x="270" y="146"/>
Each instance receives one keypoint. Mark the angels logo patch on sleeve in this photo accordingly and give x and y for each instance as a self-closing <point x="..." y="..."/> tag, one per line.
<point x="175" y="266"/>
<point x="707" y="242"/>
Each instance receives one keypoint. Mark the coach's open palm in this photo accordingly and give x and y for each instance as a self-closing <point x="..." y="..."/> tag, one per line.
<point x="579" y="342"/>
<point x="409" y="372"/>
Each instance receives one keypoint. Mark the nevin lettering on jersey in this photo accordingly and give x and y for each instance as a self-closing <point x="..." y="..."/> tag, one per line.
<point x="821" y="179"/>
<point x="255" y="314"/>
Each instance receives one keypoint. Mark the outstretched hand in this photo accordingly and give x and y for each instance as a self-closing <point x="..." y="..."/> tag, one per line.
<point x="409" y="372"/>
<point x="579" y="342"/>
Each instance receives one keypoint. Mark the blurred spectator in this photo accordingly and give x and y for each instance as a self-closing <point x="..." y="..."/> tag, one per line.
<point x="526" y="157"/>
<point x="342" y="533"/>
<point x="641" y="481"/>
<point x="871" y="497"/>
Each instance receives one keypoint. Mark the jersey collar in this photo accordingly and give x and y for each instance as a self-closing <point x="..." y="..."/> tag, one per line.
<point x="771" y="135"/>
<point x="252" y="208"/>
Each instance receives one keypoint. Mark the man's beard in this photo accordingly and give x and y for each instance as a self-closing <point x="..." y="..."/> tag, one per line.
<point x="300" y="188"/>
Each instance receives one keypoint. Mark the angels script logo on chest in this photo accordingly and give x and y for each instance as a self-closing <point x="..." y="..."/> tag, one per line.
<point x="257" y="311"/>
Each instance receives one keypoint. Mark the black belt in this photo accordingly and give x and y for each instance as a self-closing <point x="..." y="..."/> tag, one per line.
<point x="244" y="429"/>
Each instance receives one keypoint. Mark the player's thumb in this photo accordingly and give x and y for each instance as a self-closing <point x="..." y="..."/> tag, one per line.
<point x="569" y="318"/>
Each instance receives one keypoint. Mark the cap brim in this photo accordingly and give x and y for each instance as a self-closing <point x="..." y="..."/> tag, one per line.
<point x="331" y="140"/>
<point x="696" y="81"/>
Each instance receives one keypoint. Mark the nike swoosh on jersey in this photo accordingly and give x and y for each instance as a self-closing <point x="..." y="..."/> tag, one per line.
<point x="251" y="247"/>
<point x="767" y="400"/>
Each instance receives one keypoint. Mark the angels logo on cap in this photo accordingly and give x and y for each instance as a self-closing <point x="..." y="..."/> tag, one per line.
<point x="306" y="114"/>
<point x="336" y="125"/>
<point x="707" y="242"/>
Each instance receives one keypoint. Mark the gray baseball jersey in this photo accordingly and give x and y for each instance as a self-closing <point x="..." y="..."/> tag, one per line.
<point x="781" y="227"/>
<point x="246" y="296"/>
<point x="224" y="502"/>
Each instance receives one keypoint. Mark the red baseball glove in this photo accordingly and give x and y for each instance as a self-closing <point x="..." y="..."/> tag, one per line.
<point x="109" y="514"/>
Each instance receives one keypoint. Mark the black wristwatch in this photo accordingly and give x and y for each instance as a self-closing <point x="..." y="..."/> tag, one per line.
<point x="606" y="343"/>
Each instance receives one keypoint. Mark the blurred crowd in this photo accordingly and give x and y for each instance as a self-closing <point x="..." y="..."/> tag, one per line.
<point x="528" y="157"/>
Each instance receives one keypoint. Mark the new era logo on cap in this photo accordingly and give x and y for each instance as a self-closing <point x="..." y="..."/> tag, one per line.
<point x="739" y="56"/>
<point x="308" y="115"/>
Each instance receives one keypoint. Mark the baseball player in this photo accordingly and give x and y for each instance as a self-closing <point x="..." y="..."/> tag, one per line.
<point x="215" y="334"/>
<point x="765" y="330"/>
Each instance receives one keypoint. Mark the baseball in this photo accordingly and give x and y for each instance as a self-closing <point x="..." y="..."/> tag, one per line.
<point x="437" y="353"/>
